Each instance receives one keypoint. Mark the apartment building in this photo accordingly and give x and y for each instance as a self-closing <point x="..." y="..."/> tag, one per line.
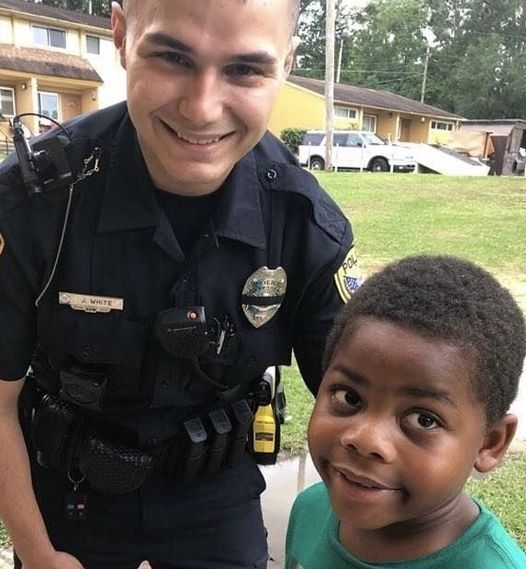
<point x="56" y="63"/>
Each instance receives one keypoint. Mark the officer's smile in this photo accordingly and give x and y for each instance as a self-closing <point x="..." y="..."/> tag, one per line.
<point x="202" y="140"/>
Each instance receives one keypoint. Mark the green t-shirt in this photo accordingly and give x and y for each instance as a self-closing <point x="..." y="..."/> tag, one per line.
<point x="313" y="542"/>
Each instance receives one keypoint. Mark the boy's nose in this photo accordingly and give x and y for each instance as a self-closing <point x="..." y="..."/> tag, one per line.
<point x="372" y="438"/>
<point x="201" y="103"/>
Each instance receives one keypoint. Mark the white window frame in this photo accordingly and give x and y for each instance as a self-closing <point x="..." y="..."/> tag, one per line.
<point x="40" y="110"/>
<point x="2" y="88"/>
<point x="443" y="126"/>
<point x="369" y="117"/>
<point x="49" y="30"/>
<point x="92" y="37"/>
<point x="345" y="112"/>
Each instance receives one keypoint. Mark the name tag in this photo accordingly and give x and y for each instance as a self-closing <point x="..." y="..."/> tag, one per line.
<point x="90" y="303"/>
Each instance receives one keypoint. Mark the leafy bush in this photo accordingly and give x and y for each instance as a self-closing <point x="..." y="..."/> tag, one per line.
<point x="292" y="138"/>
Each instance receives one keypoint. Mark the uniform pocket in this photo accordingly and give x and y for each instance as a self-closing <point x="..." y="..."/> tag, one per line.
<point x="107" y="341"/>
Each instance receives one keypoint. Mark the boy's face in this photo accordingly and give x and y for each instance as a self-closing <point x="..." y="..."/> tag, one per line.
<point x="202" y="80"/>
<point x="396" y="430"/>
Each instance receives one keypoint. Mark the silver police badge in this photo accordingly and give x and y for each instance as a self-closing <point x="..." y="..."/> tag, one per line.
<point x="263" y="294"/>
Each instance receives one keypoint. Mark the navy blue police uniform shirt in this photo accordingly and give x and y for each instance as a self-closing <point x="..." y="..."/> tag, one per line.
<point x="119" y="244"/>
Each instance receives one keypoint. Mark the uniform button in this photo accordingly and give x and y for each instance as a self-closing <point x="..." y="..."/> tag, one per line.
<point x="251" y="362"/>
<point x="272" y="175"/>
<point x="152" y="441"/>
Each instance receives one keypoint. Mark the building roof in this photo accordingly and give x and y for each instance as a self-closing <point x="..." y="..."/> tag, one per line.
<point x="384" y="100"/>
<point x="23" y="6"/>
<point x="518" y="122"/>
<point x="495" y="127"/>
<point x="46" y="62"/>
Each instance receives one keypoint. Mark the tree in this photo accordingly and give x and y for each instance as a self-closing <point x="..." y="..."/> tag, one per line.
<point x="97" y="7"/>
<point x="311" y="31"/>
<point x="478" y="65"/>
<point x="386" y="49"/>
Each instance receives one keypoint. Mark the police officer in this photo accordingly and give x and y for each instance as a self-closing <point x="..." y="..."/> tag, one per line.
<point x="142" y="300"/>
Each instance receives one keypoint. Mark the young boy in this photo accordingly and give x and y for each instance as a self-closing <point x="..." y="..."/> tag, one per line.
<point x="420" y="370"/>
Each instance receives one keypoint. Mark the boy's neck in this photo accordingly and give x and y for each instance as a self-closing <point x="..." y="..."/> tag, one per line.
<point x="414" y="539"/>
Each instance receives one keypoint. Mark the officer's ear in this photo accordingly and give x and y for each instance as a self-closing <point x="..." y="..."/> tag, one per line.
<point x="291" y="55"/>
<point x="118" y="27"/>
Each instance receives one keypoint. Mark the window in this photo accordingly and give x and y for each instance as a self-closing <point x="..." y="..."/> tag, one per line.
<point x="438" y="125"/>
<point x="355" y="140"/>
<point x="345" y="112"/>
<point x="49" y="36"/>
<point x="48" y="104"/>
<point x="339" y="139"/>
<point x="7" y="102"/>
<point x="93" y="45"/>
<point x="313" y="138"/>
<point x="369" y="123"/>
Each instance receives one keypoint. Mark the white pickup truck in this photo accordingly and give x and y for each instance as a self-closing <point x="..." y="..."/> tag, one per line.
<point x="355" y="149"/>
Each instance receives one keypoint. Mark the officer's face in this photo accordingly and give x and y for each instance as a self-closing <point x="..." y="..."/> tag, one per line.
<point x="202" y="80"/>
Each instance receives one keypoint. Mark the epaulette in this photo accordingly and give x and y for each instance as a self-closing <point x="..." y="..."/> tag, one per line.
<point x="285" y="177"/>
<point x="85" y="132"/>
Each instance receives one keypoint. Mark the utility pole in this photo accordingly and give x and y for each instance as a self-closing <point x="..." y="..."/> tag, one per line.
<point x="330" y="30"/>
<point x="339" y="68"/>
<point x="424" y="78"/>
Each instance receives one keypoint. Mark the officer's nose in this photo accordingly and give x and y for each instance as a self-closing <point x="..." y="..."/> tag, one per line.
<point x="370" y="437"/>
<point x="202" y="101"/>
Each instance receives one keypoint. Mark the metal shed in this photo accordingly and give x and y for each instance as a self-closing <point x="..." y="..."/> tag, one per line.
<point x="509" y="142"/>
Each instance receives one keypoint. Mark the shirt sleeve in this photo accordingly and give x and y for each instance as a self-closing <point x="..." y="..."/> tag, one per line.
<point x="18" y="285"/>
<point x="320" y="305"/>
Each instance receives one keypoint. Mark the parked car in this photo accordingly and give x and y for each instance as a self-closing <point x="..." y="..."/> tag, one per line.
<point x="354" y="149"/>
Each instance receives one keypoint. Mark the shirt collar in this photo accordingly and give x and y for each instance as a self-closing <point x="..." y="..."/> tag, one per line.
<point x="130" y="201"/>
<point x="240" y="214"/>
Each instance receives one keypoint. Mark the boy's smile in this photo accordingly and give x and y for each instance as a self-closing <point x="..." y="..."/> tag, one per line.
<point x="395" y="433"/>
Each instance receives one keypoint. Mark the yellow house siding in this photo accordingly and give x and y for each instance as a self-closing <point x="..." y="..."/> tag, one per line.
<point x="297" y="107"/>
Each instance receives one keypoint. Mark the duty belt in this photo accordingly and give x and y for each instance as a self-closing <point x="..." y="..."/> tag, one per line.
<point x="204" y="445"/>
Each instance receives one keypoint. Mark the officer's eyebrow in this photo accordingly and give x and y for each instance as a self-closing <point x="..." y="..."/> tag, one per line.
<point x="165" y="40"/>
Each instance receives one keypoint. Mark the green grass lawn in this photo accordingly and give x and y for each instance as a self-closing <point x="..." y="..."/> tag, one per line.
<point x="394" y="215"/>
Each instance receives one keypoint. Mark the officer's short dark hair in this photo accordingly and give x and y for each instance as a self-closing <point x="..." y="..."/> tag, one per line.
<point x="294" y="10"/>
<point x="449" y="299"/>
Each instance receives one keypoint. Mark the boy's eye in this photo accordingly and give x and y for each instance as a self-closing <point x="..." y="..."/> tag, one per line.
<point x="345" y="397"/>
<point x="423" y="421"/>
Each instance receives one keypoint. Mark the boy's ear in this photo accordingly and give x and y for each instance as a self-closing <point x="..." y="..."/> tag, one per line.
<point x="496" y="443"/>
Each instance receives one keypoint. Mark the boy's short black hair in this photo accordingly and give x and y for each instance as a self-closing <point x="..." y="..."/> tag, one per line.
<point x="453" y="300"/>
